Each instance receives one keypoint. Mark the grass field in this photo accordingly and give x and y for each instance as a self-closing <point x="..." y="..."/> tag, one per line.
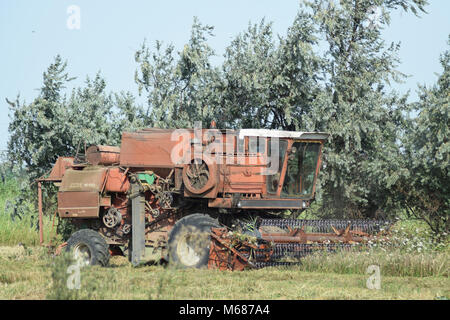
<point x="21" y="227"/>
<point x="30" y="273"/>
<point x="416" y="268"/>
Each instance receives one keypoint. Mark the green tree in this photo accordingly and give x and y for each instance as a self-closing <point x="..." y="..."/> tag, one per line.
<point x="54" y="125"/>
<point x="127" y="116"/>
<point x="357" y="105"/>
<point x="425" y="182"/>
<point x="331" y="72"/>
<point x="268" y="83"/>
<point x="89" y="116"/>
<point x="35" y="136"/>
<point x="179" y="91"/>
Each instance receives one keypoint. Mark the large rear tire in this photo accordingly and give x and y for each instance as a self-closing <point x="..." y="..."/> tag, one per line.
<point x="189" y="241"/>
<point x="88" y="248"/>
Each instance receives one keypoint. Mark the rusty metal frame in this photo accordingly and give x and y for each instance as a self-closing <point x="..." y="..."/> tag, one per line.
<point x="300" y="236"/>
<point x="138" y="225"/>
<point x="41" y="223"/>
<point x="223" y="255"/>
<point x="230" y="252"/>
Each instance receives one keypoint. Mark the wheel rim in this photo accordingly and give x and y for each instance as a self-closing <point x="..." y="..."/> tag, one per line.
<point x="189" y="248"/>
<point x="82" y="254"/>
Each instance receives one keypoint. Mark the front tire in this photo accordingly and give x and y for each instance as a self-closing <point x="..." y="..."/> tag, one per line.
<point x="88" y="248"/>
<point x="189" y="241"/>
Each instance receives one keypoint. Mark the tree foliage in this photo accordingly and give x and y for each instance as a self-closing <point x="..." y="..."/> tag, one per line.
<point x="179" y="91"/>
<point x="330" y="72"/>
<point x="36" y="138"/>
<point x="268" y="83"/>
<point x="56" y="125"/>
<point x="358" y="107"/>
<point x="425" y="181"/>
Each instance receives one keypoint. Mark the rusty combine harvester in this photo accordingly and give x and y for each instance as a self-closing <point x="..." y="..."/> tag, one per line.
<point x="197" y="198"/>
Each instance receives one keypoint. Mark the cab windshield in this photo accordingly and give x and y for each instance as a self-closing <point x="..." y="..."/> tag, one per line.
<point x="301" y="170"/>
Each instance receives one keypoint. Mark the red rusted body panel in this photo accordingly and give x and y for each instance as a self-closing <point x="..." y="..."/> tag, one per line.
<point x="117" y="180"/>
<point x="73" y="204"/>
<point x="150" y="149"/>
<point x="58" y="170"/>
<point x="244" y="179"/>
<point x="103" y="155"/>
<point x="238" y="172"/>
<point x="88" y="179"/>
<point x="79" y="194"/>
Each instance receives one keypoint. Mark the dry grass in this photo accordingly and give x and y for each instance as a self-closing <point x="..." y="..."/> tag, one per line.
<point x="33" y="274"/>
<point x="391" y="262"/>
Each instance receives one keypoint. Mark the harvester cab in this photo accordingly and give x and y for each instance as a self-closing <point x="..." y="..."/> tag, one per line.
<point x="183" y="195"/>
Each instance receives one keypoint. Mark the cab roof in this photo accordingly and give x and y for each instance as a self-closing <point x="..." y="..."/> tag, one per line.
<point x="282" y="134"/>
<point x="256" y="133"/>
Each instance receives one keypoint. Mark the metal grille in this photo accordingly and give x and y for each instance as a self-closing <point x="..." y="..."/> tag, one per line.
<point x="324" y="226"/>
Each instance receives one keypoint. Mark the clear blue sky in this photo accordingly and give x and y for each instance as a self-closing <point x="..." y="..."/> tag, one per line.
<point x="33" y="32"/>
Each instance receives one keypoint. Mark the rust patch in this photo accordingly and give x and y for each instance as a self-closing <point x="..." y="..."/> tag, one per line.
<point x="89" y="179"/>
<point x="104" y="155"/>
<point x="72" y="204"/>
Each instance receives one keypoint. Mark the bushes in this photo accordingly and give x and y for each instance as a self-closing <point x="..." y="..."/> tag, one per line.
<point x="19" y="217"/>
<point x="424" y="184"/>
